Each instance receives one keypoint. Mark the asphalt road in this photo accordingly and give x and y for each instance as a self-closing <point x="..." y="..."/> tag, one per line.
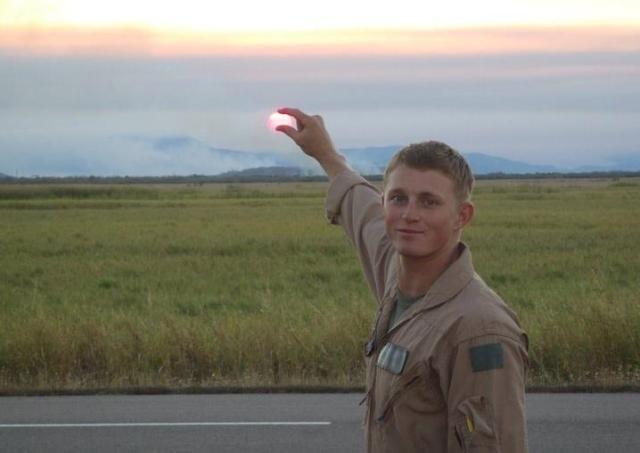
<point x="564" y="423"/>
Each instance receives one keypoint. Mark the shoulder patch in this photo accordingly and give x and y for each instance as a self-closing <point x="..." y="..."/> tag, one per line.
<point x="486" y="357"/>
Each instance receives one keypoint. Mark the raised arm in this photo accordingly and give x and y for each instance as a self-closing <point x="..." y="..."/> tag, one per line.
<point x="352" y="201"/>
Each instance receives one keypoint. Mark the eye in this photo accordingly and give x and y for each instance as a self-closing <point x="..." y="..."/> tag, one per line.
<point x="430" y="202"/>
<point x="397" y="198"/>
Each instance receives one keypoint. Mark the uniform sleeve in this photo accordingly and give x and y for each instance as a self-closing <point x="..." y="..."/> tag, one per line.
<point x="485" y="396"/>
<point x="355" y="204"/>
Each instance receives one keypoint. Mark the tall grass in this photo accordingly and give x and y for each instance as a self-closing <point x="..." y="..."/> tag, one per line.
<point x="184" y="286"/>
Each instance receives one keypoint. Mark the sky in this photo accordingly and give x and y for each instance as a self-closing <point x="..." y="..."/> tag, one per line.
<point x="89" y="87"/>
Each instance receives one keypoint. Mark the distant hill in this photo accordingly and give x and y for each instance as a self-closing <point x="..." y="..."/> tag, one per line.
<point x="180" y="155"/>
<point x="369" y="160"/>
<point x="482" y="164"/>
<point x="177" y="145"/>
<point x="373" y="160"/>
<point x="628" y="161"/>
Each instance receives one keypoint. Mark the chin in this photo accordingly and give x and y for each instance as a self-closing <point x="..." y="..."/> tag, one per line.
<point x="410" y="252"/>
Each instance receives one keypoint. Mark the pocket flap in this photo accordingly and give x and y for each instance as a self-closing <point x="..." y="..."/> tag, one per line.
<point x="475" y="423"/>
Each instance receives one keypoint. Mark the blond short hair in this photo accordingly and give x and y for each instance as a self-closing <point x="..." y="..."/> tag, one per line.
<point x="433" y="155"/>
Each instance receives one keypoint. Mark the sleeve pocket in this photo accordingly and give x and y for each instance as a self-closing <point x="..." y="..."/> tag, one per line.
<point x="475" y="427"/>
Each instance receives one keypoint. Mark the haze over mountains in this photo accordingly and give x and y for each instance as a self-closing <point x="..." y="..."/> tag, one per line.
<point x="183" y="155"/>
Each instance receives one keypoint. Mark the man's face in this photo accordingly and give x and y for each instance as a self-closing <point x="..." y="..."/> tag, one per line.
<point x="423" y="218"/>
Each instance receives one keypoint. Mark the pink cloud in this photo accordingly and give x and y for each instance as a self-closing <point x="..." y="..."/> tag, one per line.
<point x="469" y="41"/>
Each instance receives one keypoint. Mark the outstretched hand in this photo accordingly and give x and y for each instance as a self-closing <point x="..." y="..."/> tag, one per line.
<point x="314" y="140"/>
<point x="311" y="135"/>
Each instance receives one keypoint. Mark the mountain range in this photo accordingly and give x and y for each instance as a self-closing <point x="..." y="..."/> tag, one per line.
<point x="372" y="160"/>
<point x="184" y="155"/>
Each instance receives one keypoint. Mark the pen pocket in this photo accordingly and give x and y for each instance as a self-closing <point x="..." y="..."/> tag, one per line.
<point x="474" y="426"/>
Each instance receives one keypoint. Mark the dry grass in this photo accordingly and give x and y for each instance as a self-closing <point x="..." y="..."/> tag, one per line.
<point x="247" y="285"/>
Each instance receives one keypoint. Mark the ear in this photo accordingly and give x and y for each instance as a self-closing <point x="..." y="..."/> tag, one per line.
<point x="466" y="211"/>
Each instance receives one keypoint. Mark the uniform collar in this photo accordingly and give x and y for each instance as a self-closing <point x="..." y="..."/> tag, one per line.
<point x="453" y="280"/>
<point x="449" y="284"/>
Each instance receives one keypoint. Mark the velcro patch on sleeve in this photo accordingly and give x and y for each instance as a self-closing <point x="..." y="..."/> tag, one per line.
<point x="486" y="357"/>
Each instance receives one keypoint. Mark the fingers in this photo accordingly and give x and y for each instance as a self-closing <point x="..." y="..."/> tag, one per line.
<point x="291" y="132"/>
<point x="299" y="115"/>
<point x="302" y="118"/>
<point x="310" y="133"/>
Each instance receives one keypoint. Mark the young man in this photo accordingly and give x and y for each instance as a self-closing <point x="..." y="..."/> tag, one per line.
<point x="447" y="359"/>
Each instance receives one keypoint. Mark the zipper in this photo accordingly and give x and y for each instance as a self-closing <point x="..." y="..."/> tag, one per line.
<point x="374" y="371"/>
<point x="366" y="396"/>
<point x="462" y="438"/>
<point x="371" y="344"/>
<point x="389" y="404"/>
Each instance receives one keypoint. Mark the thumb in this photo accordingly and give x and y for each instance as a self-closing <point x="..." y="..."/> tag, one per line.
<point x="291" y="132"/>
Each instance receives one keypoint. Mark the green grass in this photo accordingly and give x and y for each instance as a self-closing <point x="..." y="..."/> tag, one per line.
<point x="246" y="284"/>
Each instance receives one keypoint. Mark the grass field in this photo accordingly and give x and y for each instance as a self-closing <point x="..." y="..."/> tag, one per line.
<point x="247" y="284"/>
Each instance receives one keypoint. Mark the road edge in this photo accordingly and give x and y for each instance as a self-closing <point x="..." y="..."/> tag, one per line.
<point x="195" y="390"/>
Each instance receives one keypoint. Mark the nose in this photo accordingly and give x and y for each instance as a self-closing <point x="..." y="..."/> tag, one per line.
<point x="411" y="213"/>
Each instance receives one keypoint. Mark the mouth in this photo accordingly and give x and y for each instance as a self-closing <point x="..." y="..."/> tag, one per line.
<point x="408" y="231"/>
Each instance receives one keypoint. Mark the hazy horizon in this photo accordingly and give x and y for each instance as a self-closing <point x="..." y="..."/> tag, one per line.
<point x="563" y="92"/>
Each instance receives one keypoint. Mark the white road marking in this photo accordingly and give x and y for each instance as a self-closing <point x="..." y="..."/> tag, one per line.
<point x="152" y="424"/>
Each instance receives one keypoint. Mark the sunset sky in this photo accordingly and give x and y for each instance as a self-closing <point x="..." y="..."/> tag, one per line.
<point x="289" y="15"/>
<point x="552" y="82"/>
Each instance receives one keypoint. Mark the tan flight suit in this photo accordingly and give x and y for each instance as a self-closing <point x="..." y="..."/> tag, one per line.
<point x="449" y="376"/>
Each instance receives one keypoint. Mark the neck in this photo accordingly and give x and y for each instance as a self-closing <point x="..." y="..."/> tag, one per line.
<point x="417" y="274"/>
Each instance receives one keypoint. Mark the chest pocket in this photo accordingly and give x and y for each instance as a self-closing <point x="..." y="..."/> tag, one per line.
<point x="416" y="390"/>
<point x="392" y="358"/>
